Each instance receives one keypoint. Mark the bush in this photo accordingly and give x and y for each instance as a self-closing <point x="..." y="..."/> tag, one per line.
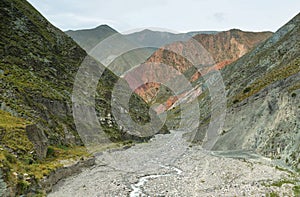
<point x="235" y="101"/>
<point x="50" y="152"/>
<point x="247" y="90"/>
<point x="10" y="158"/>
<point x="296" y="190"/>
<point x="22" y="186"/>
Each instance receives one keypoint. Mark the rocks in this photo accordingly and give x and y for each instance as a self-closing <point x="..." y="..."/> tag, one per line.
<point x="69" y="137"/>
<point x="3" y="186"/>
<point x="166" y="167"/>
<point x="39" y="140"/>
<point x="64" y="172"/>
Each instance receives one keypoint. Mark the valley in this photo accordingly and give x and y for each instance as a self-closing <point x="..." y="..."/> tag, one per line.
<point x="96" y="112"/>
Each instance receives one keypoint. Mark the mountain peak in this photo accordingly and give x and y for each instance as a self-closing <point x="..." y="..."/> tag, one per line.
<point x="89" y="38"/>
<point x="105" y="26"/>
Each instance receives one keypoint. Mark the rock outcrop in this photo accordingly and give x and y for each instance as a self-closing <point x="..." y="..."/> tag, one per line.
<point x="39" y="140"/>
<point x="3" y="186"/>
<point x="65" y="171"/>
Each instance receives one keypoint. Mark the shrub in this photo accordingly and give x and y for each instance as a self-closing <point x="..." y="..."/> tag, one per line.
<point x="235" y="101"/>
<point x="22" y="186"/>
<point x="50" y="152"/>
<point x="247" y="90"/>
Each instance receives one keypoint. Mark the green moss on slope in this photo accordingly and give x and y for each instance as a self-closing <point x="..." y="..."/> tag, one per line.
<point x="18" y="162"/>
<point x="276" y="74"/>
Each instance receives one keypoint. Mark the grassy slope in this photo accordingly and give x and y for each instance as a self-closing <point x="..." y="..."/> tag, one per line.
<point x="21" y="168"/>
<point x="38" y="64"/>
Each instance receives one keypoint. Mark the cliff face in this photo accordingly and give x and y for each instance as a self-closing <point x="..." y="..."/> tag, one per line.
<point x="226" y="47"/>
<point x="263" y="99"/>
<point x="223" y="47"/>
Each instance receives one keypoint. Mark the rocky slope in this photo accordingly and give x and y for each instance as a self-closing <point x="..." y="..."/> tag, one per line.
<point x="126" y="50"/>
<point x="263" y="99"/>
<point x="228" y="46"/>
<point x="38" y="65"/>
<point x="223" y="47"/>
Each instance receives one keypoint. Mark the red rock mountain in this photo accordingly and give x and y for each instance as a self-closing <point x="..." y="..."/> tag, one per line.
<point x="224" y="47"/>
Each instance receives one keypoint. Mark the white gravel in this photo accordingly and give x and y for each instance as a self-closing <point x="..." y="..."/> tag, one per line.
<point x="167" y="166"/>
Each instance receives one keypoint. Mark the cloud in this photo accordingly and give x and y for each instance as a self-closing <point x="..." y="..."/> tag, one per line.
<point x="185" y="15"/>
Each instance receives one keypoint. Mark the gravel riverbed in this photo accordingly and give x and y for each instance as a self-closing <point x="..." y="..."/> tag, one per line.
<point x="168" y="166"/>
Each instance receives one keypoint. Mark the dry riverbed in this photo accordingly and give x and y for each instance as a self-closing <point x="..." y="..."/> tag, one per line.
<point x="168" y="166"/>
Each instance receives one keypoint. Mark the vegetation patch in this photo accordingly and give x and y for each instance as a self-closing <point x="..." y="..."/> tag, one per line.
<point x="21" y="169"/>
<point x="276" y="74"/>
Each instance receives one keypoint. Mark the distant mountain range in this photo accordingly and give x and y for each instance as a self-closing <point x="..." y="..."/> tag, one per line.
<point x="89" y="38"/>
<point x="224" y="47"/>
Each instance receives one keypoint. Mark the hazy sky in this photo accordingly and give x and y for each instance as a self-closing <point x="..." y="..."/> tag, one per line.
<point x="180" y="16"/>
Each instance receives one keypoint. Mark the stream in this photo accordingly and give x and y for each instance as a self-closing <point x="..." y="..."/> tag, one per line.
<point x="137" y="187"/>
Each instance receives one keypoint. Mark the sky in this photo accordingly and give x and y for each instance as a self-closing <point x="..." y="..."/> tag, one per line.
<point x="174" y="15"/>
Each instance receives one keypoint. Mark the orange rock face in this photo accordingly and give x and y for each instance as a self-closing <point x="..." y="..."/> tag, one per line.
<point x="224" y="47"/>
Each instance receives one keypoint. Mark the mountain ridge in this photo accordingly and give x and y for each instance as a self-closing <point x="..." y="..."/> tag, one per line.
<point x="224" y="48"/>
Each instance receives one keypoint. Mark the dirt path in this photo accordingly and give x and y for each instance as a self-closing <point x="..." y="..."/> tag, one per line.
<point x="167" y="166"/>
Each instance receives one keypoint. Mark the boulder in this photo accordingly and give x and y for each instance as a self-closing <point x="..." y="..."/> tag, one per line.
<point x="39" y="140"/>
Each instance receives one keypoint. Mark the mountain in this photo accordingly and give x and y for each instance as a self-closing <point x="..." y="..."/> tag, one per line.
<point x="223" y="47"/>
<point x="194" y="33"/>
<point x="89" y="38"/>
<point x="121" y="52"/>
<point x="263" y="89"/>
<point x="228" y="46"/>
<point x="38" y="67"/>
<point x="160" y="38"/>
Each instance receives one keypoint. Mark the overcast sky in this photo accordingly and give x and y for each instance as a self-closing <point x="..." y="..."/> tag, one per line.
<point x="180" y="16"/>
